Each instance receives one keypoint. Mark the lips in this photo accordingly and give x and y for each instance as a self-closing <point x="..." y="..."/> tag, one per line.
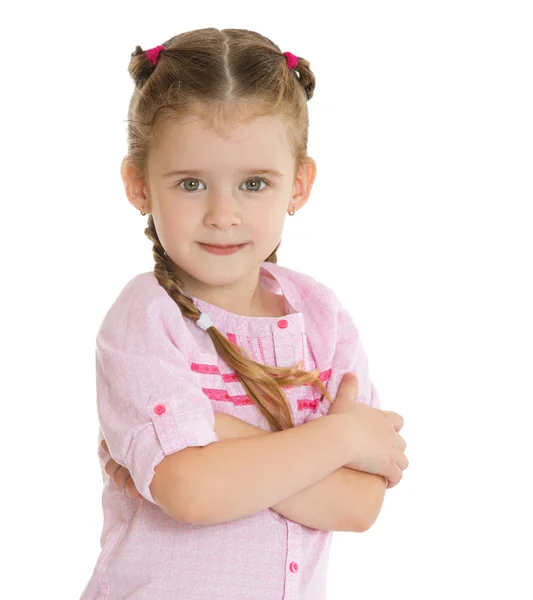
<point x="222" y="245"/>
<point x="222" y="250"/>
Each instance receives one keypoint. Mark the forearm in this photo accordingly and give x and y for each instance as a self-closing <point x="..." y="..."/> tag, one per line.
<point x="234" y="478"/>
<point x="346" y="500"/>
<point x="343" y="501"/>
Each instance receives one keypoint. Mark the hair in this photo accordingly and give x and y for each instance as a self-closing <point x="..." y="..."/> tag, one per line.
<point x="222" y="76"/>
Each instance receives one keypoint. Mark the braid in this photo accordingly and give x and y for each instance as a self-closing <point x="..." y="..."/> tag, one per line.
<point x="262" y="383"/>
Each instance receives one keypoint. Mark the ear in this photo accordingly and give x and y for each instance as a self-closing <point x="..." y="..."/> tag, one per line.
<point x="303" y="183"/>
<point x="135" y="186"/>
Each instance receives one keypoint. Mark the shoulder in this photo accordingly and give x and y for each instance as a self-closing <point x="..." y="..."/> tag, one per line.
<point x="320" y="307"/>
<point x="142" y="305"/>
<point x="141" y="293"/>
<point x="301" y="287"/>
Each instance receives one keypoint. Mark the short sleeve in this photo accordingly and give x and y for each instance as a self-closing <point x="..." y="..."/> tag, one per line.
<point x="149" y="402"/>
<point x="348" y="356"/>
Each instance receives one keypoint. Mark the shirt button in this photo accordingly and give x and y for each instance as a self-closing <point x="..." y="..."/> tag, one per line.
<point x="282" y="323"/>
<point x="160" y="409"/>
<point x="293" y="567"/>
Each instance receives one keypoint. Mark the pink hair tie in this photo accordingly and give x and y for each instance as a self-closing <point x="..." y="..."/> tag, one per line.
<point x="291" y="60"/>
<point x="153" y="54"/>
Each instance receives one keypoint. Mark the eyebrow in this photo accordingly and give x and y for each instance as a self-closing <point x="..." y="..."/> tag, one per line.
<point x="195" y="172"/>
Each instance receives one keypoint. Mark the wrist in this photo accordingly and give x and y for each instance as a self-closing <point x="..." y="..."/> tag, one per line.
<point x="345" y="432"/>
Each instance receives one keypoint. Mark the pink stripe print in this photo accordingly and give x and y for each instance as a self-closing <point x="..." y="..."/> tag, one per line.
<point x="244" y="400"/>
<point x="232" y="377"/>
<point x="302" y="404"/>
<point x="222" y="395"/>
<point x="324" y="375"/>
<point x="213" y="370"/>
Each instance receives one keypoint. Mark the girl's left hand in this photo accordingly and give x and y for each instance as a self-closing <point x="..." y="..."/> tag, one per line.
<point x="348" y="404"/>
<point x="120" y="475"/>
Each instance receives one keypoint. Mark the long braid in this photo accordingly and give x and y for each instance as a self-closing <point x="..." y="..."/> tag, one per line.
<point x="262" y="383"/>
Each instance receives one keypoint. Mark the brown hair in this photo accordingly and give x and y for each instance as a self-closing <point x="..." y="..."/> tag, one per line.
<point x="222" y="76"/>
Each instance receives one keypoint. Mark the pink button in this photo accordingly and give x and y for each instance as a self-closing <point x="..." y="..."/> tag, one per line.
<point x="293" y="567"/>
<point x="160" y="409"/>
<point x="282" y="324"/>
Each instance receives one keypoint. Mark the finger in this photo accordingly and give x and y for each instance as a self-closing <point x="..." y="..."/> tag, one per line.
<point x="120" y="477"/>
<point x="396" y="475"/>
<point x="111" y="467"/>
<point x="351" y="382"/>
<point x="397" y="420"/>
<point x="401" y="442"/>
<point x="131" y="490"/>
<point x="103" y="444"/>
<point x="400" y="461"/>
<point x="404" y="462"/>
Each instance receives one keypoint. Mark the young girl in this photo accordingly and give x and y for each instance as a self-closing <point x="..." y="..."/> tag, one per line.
<point x="216" y="371"/>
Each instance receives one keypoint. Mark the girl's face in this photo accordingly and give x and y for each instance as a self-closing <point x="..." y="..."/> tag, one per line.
<point x="202" y="188"/>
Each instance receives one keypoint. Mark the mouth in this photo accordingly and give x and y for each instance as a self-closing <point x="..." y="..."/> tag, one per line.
<point x="223" y="245"/>
<point x="222" y="249"/>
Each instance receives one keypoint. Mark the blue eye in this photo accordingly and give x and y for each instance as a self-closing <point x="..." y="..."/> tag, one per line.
<point x="254" y="179"/>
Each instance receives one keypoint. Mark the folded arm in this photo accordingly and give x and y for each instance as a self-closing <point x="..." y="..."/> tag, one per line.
<point x="346" y="500"/>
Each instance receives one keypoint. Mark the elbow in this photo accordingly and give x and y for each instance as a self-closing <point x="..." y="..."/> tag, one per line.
<point x="194" y="512"/>
<point x="370" y="515"/>
<point x="171" y="502"/>
<point x="185" y="510"/>
<point x="192" y="509"/>
<point x="365" y="524"/>
<point x="190" y="516"/>
<point x="178" y="489"/>
<point x="203" y="509"/>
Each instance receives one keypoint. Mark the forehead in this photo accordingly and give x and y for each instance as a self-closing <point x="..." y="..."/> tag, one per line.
<point x="197" y="142"/>
<point x="269" y="129"/>
<point x="226" y="118"/>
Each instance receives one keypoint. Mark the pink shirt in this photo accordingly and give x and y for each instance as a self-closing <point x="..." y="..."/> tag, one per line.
<point x="159" y="381"/>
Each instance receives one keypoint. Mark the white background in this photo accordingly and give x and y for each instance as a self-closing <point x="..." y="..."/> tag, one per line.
<point x="420" y="219"/>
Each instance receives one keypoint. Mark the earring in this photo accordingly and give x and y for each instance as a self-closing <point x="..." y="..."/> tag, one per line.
<point x="142" y="212"/>
<point x="292" y="212"/>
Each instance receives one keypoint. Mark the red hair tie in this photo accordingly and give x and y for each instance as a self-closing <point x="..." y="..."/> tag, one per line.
<point x="153" y="54"/>
<point x="292" y="60"/>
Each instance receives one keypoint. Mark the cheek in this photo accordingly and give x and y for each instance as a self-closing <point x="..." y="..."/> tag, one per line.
<point x="272" y="222"/>
<point x="179" y="222"/>
<point x="173" y="230"/>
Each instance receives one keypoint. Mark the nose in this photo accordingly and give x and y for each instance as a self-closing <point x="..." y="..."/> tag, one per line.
<point x="223" y="210"/>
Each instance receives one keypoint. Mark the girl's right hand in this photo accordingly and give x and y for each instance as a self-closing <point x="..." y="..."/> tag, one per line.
<point x="375" y="444"/>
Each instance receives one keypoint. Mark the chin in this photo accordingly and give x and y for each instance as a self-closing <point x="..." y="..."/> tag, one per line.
<point x="216" y="275"/>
